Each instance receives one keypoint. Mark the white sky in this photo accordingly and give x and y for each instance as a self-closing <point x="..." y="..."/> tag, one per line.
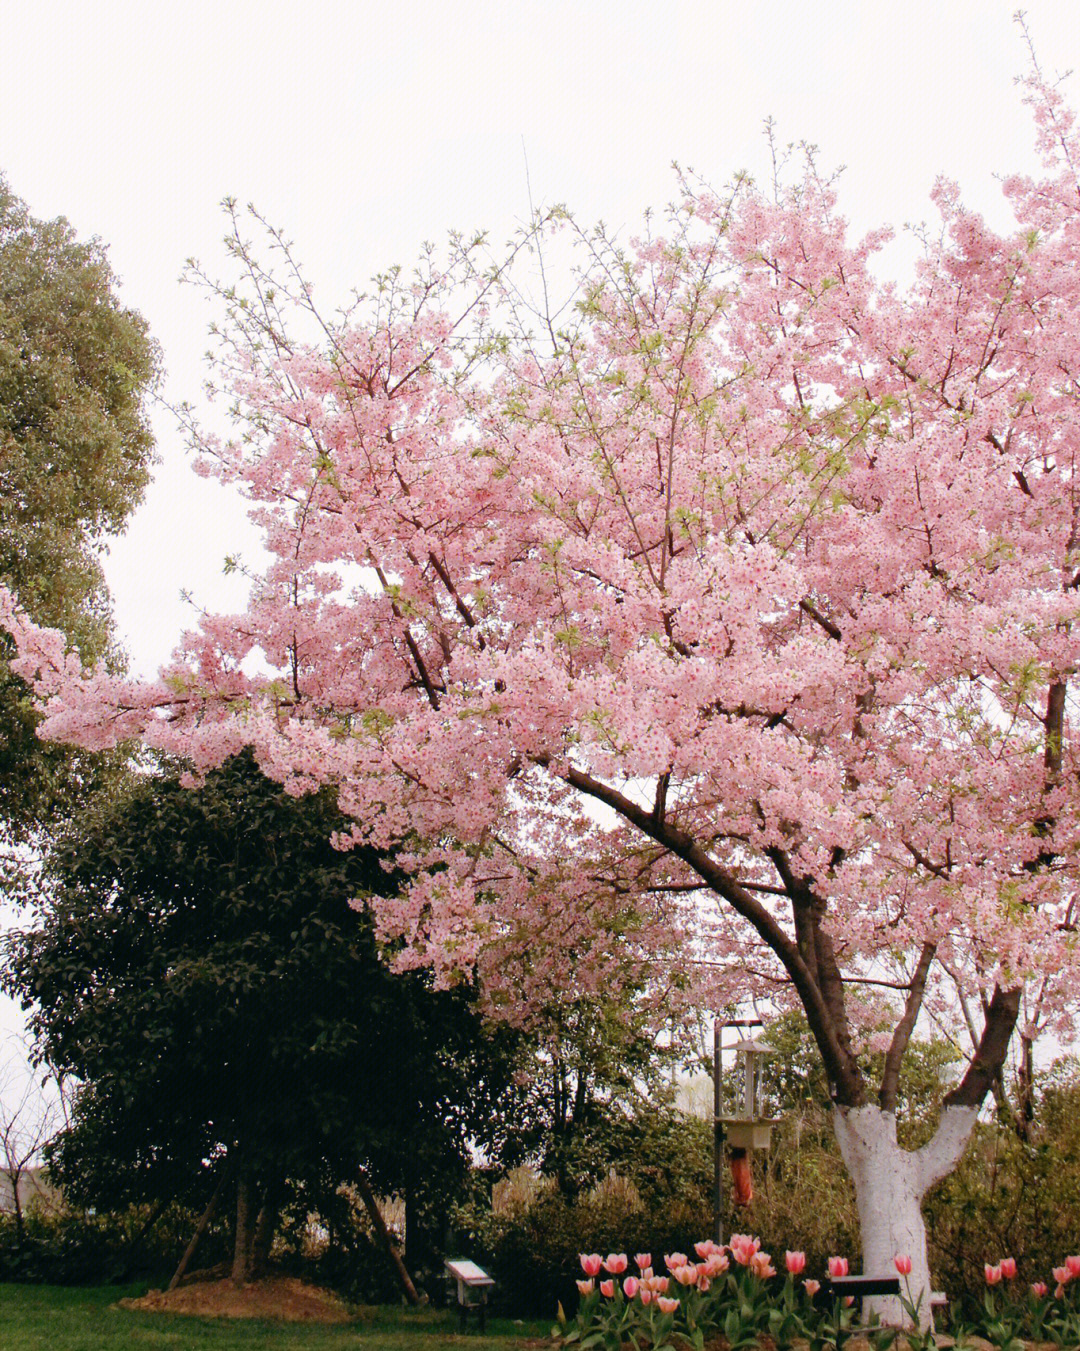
<point x="363" y="129"/>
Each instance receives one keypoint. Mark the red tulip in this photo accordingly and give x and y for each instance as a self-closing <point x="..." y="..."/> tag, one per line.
<point x="795" y="1262"/>
<point x="902" y="1264"/>
<point x="1073" y="1263"/>
<point x="838" y="1266"/>
<point x="1008" y="1268"/>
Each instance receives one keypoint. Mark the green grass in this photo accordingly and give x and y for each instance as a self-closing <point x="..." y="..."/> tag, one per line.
<point x="64" y="1318"/>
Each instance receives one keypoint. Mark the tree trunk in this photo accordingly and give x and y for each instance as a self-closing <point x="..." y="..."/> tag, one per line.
<point x="890" y="1183"/>
<point x="363" y="1186"/>
<point x="263" y="1236"/>
<point x="200" y="1229"/>
<point x="241" y="1268"/>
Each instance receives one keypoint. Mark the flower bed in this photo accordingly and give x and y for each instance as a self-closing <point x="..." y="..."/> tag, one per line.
<point x="733" y="1292"/>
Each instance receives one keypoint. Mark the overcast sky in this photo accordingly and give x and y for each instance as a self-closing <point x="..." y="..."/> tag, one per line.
<point x="363" y="129"/>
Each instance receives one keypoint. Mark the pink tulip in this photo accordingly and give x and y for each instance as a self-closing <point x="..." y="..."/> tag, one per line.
<point x="795" y="1262"/>
<point x="666" y="1305"/>
<point x="902" y="1264"/>
<point x="646" y="1295"/>
<point x="586" y="1287"/>
<point x="658" y="1285"/>
<point x="706" y="1248"/>
<point x="630" y="1286"/>
<point x="1038" y="1289"/>
<point x="615" y="1263"/>
<point x="848" y="1301"/>
<point x="607" y="1289"/>
<point x="1062" y="1275"/>
<point x="674" y="1259"/>
<point x="702" y="1280"/>
<point x="838" y="1266"/>
<point x="590" y="1263"/>
<point x="643" y="1260"/>
<point x="993" y="1274"/>
<point x="1008" y="1268"/>
<point x="811" y="1287"/>
<point x="761" y="1265"/>
<point x="717" y="1264"/>
<point x="685" y="1275"/>
<point x="1059" y="1292"/>
<point x="743" y="1247"/>
<point x="1073" y="1263"/>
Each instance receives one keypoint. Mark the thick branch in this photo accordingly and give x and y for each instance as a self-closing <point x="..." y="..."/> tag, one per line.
<point x="890" y="1078"/>
<point x="839" y="1067"/>
<point x="1001" y="1016"/>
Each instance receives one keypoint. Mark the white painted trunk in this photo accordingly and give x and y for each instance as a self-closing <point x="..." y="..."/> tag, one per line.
<point x="890" y="1183"/>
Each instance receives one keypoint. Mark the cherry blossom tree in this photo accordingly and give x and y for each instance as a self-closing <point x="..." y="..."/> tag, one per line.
<point x="771" y="565"/>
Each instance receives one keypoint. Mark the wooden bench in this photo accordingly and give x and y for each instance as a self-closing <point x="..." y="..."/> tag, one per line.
<point x="861" y="1287"/>
<point x="473" y="1284"/>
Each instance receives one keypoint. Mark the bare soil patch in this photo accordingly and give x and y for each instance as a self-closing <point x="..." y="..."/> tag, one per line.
<point x="283" y="1298"/>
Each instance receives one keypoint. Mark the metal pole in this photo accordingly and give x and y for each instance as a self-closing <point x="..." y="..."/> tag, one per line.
<point x="718" y="1135"/>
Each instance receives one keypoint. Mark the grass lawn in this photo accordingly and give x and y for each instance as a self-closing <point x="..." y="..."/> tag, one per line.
<point x="65" y="1318"/>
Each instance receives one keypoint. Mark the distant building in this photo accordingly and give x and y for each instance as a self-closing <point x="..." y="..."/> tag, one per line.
<point x="34" y="1189"/>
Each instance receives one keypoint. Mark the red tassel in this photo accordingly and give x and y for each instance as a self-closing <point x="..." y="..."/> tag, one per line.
<point x="742" y="1189"/>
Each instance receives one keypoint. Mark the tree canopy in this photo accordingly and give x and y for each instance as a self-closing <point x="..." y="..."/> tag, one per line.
<point x="75" y="452"/>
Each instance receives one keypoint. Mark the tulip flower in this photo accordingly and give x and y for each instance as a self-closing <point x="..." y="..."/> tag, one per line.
<point x="702" y="1280"/>
<point x="795" y="1262"/>
<point x="743" y="1247"/>
<point x="1062" y="1275"/>
<point x="646" y="1295"/>
<point x="706" y="1248"/>
<point x="1008" y="1268"/>
<point x="674" y="1259"/>
<point x="666" y="1305"/>
<point x="1073" y="1263"/>
<point x="586" y="1287"/>
<point x="1038" y="1289"/>
<point x="630" y="1286"/>
<point x="590" y="1263"/>
<point x="717" y="1264"/>
<point x="643" y="1260"/>
<point x="902" y="1264"/>
<point x="761" y="1265"/>
<point x="848" y="1301"/>
<point x="1059" y="1292"/>
<point x="658" y="1285"/>
<point x="811" y="1287"/>
<point x="615" y="1263"/>
<point x="838" y="1266"/>
<point x="993" y="1274"/>
<point x="685" y="1275"/>
<point x="607" y="1289"/>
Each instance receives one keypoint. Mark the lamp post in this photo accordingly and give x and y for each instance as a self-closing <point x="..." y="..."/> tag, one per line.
<point x="747" y="1128"/>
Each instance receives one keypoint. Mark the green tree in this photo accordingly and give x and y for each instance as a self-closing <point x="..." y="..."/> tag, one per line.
<point x="75" y="450"/>
<point x="196" y="965"/>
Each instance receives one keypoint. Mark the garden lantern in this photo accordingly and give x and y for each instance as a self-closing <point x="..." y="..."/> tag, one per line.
<point x="748" y="1127"/>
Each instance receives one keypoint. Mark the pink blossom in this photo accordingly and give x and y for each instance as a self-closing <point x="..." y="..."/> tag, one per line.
<point x="743" y="1247"/>
<point x="658" y="1285"/>
<point x="630" y="1286"/>
<point x="717" y="1263"/>
<point x="705" y="1248"/>
<point x="811" y="1287"/>
<point x="838" y="1266"/>
<point x="993" y="1274"/>
<point x="643" y="1260"/>
<point x="902" y="1264"/>
<point x="685" y="1275"/>
<point x="674" y="1259"/>
<point x="586" y="1287"/>
<point x="1062" y="1275"/>
<point x="1008" y="1268"/>
<point x="1073" y="1263"/>
<point x="795" y="1262"/>
<point x="1038" y="1289"/>
<point x="761" y="1265"/>
<point x="666" y="1305"/>
<point x="590" y="1263"/>
<point x="646" y="1294"/>
<point x="615" y="1263"/>
<point x="607" y="1289"/>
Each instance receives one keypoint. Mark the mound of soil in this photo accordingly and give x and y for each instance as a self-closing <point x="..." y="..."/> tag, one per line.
<point x="278" y="1297"/>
